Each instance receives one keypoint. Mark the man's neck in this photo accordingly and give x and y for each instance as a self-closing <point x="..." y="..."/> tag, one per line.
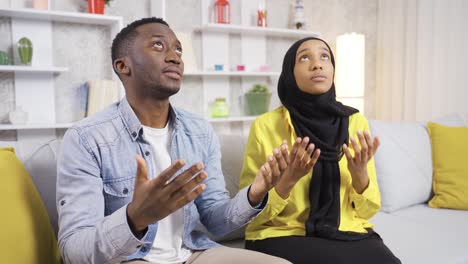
<point x="151" y="112"/>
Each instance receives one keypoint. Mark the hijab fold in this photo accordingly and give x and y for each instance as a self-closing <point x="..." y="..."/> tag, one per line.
<point x="325" y="121"/>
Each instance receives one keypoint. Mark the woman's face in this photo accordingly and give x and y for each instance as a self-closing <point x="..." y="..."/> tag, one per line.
<point x="313" y="69"/>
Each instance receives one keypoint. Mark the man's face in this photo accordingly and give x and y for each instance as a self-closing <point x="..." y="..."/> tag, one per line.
<point x="156" y="60"/>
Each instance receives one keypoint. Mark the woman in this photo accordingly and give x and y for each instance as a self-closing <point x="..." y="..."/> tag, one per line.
<point x="318" y="211"/>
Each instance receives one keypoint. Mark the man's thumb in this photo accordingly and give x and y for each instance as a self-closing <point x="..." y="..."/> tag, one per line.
<point x="142" y="171"/>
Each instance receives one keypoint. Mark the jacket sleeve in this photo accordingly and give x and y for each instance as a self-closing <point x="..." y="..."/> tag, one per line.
<point x="366" y="204"/>
<point x="85" y="234"/>
<point x="255" y="156"/>
<point x="218" y="212"/>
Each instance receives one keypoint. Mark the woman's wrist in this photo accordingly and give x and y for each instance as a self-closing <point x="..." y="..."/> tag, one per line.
<point x="284" y="187"/>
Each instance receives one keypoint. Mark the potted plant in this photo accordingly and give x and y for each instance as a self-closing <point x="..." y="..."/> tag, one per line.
<point x="97" y="6"/>
<point x="258" y="99"/>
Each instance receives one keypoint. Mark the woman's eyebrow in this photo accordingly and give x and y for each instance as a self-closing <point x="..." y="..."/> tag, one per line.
<point x="325" y="49"/>
<point x="302" y="50"/>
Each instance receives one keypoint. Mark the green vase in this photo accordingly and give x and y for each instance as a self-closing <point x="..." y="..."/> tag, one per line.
<point x="4" y="58"/>
<point x="25" y="50"/>
<point x="258" y="103"/>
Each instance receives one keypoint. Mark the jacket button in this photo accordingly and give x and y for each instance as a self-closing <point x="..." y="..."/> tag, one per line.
<point x="62" y="203"/>
<point x="147" y="153"/>
<point x="125" y="191"/>
<point x="143" y="249"/>
<point x="134" y="134"/>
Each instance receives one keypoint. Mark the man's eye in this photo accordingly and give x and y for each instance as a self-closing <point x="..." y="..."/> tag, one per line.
<point x="179" y="51"/>
<point x="158" y="45"/>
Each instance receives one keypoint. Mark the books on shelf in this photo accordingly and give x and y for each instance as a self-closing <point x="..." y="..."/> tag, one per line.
<point x="190" y="63"/>
<point x="96" y="95"/>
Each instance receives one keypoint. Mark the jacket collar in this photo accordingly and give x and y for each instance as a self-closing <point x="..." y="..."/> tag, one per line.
<point x="133" y="124"/>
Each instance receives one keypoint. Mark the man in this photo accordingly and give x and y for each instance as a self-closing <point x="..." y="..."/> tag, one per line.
<point x="113" y="209"/>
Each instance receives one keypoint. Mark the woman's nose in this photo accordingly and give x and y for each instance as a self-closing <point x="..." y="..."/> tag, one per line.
<point x="316" y="65"/>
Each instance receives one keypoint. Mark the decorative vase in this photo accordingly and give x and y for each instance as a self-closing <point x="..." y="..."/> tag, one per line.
<point x="4" y="58"/>
<point x="41" y="4"/>
<point x="258" y="103"/>
<point x="96" y="6"/>
<point x="18" y="117"/>
<point x="25" y="50"/>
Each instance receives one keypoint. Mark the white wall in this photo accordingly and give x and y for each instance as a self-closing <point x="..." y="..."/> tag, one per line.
<point x="74" y="45"/>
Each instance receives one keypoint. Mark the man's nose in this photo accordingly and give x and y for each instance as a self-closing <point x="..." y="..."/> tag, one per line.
<point x="173" y="57"/>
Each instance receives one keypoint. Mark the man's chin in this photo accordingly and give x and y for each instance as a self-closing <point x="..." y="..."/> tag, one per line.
<point x="166" y="91"/>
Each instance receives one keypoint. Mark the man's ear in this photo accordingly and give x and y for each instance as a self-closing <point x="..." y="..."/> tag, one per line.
<point x="121" y="66"/>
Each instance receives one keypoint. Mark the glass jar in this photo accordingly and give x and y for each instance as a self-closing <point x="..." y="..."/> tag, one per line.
<point x="219" y="108"/>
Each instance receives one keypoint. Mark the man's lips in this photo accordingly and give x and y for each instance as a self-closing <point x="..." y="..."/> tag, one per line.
<point x="173" y="73"/>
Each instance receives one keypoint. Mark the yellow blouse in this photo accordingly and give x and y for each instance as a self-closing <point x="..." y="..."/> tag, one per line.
<point x="287" y="217"/>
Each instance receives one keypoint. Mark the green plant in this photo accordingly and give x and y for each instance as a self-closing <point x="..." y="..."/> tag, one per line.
<point x="25" y="50"/>
<point x="259" y="88"/>
<point x="4" y="58"/>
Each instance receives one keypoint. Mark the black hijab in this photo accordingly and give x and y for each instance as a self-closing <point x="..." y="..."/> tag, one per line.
<point x="325" y="121"/>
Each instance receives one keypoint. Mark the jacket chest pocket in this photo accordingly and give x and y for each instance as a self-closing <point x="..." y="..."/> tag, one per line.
<point x="118" y="193"/>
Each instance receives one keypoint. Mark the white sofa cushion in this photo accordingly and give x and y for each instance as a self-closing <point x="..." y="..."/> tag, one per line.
<point x="403" y="161"/>
<point x="420" y="234"/>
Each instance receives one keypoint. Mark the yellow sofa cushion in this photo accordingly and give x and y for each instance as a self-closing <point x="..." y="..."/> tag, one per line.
<point x="449" y="159"/>
<point x="26" y="235"/>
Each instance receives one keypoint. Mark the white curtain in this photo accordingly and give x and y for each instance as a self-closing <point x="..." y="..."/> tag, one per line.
<point x="422" y="59"/>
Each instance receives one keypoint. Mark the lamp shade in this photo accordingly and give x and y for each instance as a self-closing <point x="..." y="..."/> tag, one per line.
<point x="349" y="73"/>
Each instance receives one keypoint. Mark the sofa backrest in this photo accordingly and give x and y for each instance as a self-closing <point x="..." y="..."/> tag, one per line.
<point x="404" y="161"/>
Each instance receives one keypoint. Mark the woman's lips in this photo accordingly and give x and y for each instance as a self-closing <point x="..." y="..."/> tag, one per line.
<point x="318" y="78"/>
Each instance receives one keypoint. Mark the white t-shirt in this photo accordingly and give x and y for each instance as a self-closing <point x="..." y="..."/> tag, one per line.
<point x="168" y="245"/>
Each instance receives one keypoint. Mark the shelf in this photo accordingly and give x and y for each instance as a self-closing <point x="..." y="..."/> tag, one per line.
<point x="233" y="73"/>
<point x="68" y="125"/>
<point x="232" y="119"/>
<point x="60" y="16"/>
<point x="34" y="126"/>
<point x="32" y="69"/>
<point x="238" y="29"/>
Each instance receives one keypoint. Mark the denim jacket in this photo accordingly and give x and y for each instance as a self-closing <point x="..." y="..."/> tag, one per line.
<point x="95" y="182"/>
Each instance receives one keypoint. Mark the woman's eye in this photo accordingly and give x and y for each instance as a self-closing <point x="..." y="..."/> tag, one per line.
<point x="325" y="57"/>
<point x="304" y="58"/>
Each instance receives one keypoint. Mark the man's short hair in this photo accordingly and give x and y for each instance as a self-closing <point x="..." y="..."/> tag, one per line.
<point x="125" y="38"/>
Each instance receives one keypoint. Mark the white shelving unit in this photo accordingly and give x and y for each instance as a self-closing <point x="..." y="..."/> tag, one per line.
<point x="236" y="73"/>
<point x="30" y="69"/>
<point x="34" y="85"/>
<point x="33" y="126"/>
<point x="232" y="119"/>
<point x="250" y="30"/>
<point x="253" y="46"/>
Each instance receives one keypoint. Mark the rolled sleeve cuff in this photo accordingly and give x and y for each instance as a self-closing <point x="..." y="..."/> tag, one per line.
<point x="277" y="203"/>
<point x="120" y="235"/>
<point x="245" y="210"/>
<point x="359" y="200"/>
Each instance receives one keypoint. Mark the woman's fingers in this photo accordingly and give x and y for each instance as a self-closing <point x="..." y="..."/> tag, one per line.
<point x="292" y="155"/>
<point x="357" y="150"/>
<point x="364" y="147"/>
<point x="313" y="160"/>
<point x="347" y="153"/>
<point x="298" y="159"/>
<point x="376" y="145"/>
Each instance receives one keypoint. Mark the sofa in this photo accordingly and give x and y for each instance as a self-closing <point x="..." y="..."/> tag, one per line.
<point x="415" y="232"/>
